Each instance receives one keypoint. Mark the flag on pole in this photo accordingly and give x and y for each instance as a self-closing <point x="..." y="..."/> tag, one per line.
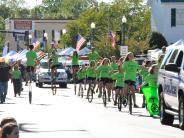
<point x="80" y="42"/>
<point x="36" y="44"/>
<point x="113" y="39"/>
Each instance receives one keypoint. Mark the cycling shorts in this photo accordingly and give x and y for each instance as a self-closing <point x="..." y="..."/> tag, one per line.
<point x="75" y="66"/>
<point x="118" y="87"/>
<point x="130" y="82"/>
<point x="104" y="80"/>
<point x="91" y="79"/>
<point x="81" y="81"/>
<point x="30" y="69"/>
<point x="55" y="66"/>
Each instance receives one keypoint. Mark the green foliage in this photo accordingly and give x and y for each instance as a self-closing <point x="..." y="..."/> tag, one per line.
<point x="157" y="40"/>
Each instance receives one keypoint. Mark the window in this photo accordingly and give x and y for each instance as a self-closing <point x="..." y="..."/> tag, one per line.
<point x="179" y="16"/>
<point x="173" y="17"/>
<point x="179" y="59"/>
<point x="173" y="57"/>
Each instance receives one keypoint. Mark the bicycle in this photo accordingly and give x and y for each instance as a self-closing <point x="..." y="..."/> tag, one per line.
<point x="104" y="97"/>
<point x="91" y="92"/>
<point x="129" y="100"/>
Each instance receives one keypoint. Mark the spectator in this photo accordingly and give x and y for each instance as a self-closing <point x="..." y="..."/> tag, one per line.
<point x="16" y="78"/>
<point x="5" y="121"/>
<point x="4" y="73"/>
<point x="10" y="130"/>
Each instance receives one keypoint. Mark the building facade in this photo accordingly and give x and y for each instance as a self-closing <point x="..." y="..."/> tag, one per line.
<point x="167" y="17"/>
<point x="44" y="31"/>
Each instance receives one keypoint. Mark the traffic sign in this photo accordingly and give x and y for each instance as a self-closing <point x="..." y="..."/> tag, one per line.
<point x="123" y="50"/>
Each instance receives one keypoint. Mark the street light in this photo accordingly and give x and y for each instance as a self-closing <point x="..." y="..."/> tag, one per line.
<point x="64" y="31"/>
<point x="124" y="20"/>
<point x="45" y="35"/>
<point x="92" y="32"/>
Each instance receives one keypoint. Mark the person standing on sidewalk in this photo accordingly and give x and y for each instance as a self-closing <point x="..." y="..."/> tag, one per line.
<point x="5" y="74"/>
<point x="16" y="79"/>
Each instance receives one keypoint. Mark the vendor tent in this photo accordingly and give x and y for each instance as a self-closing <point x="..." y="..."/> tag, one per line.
<point x="179" y="43"/>
<point x="84" y="51"/>
<point x="67" y="51"/>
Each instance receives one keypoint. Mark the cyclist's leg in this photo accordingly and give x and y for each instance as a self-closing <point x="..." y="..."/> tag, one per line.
<point x="108" y="87"/>
<point x="132" y="89"/>
<point x="100" y="86"/>
<point x="116" y="96"/>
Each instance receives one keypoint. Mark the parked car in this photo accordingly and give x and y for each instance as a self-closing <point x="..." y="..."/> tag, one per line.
<point x="171" y="87"/>
<point x="43" y="74"/>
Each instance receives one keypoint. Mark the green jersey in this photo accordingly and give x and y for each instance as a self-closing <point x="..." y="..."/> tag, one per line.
<point x="151" y="79"/>
<point x="143" y="72"/>
<point x="114" y="66"/>
<point x="93" y="56"/>
<point x="75" y="60"/>
<point x="91" y="72"/>
<point x="16" y="74"/>
<point x="31" y="58"/>
<point x="81" y="74"/>
<point x="130" y="69"/>
<point x="54" y="58"/>
<point x="104" y="71"/>
<point x="119" y="78"/>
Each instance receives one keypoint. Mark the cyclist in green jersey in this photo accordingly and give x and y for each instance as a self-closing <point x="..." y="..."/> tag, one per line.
<point x="119" y="82"/>
<point x="144" y="72"/>
<point x="54" y="62"/>
<point x="31" y="61"/>
<point x="105" y="75"/>
<point x="93" y="55"/>
<point x="75" y="63"/>
<point x="91" y="74"/>
<point x="130" y="68"/>
<point x="81" y="74"/>
<point x="151" y="78"/>
<point x="114" y="67"/>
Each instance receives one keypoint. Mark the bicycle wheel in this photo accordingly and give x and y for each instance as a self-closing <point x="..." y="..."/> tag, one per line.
<point x="154" y="107"/>
<point x="82" y="92"/>
<point x="119" y="102"/>
<point x="130" y="102"/>
<point x="90" y="95"/>
<point x="104" y="98"/>
<point x="113" y="95"/>
<point x="30" y="97"/>
<point x="54" y="89"/>
<point x="124" y="101"/>
<point x="75" y="88"/>
<point x="30" y="93"/>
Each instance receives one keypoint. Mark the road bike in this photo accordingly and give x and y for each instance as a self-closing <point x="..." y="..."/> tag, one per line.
<point x="30" y="77"/>
<point x="104" y="97"/>
<point x="122" y="100"/>
<point x="129" y="100"/>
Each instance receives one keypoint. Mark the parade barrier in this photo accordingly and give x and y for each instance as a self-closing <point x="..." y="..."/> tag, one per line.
<point x="152" y="100"/>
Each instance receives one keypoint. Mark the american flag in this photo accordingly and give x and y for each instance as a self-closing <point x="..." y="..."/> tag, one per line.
<point x="113" y="39"/>
<point x="36" y="44"/>
<point x="80" y="42"/>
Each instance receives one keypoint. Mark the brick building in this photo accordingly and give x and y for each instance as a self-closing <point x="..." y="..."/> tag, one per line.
<point x="43" y="30"/>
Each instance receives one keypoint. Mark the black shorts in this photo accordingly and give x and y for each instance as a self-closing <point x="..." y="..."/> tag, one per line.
<point x="130" y="82"/>
<point x="81" y="81"/>
<point x="30" y="69"/>
<point x="91" y="79"/>
<point x="111" y="81"/>
<point x="118" y="87"/>
<point x="54" y="66"/>
<point x="75" y="66"/>
<point x="104" y="80"/>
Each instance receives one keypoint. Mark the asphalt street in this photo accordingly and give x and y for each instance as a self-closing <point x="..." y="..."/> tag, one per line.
<point x="66" y="115"/>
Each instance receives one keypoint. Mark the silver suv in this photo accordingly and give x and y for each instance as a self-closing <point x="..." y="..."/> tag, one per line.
<point x="171" y="86"/>
<point x="43" y="74"/>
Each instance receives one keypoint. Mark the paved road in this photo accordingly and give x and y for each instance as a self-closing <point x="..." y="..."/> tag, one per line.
<point x="66" y="116"/>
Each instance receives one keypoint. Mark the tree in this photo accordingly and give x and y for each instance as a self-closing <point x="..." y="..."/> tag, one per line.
<point x="157" y="40"/>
